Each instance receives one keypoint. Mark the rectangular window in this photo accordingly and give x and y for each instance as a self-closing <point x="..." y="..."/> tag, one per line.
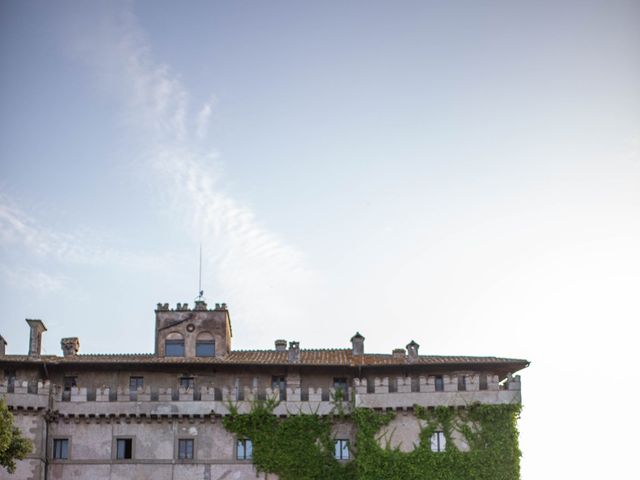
<point x="174" y="348"/>
<point x="280" y="384"/>
<point x="438" y="442"/>
<point x="69" y="383"/>
<point x="185" y="449"/>
<point x="124" y="448"/>
<point x="340" y="385"/>
<point x="483" y="382"/>
<point x="439" y="383"/>
<point x="61" y="448"/>
<point x="205" y="348"/>
<point x="341" y="451"/>
<point x="10" y="378"/>
<point x="244" y="449"/>
<point x="135" y="383"/>
<point x="188" y="383"/>
<point x="462" y="383"/>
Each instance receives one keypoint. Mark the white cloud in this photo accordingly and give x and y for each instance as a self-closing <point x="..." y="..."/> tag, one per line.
<point x="21" y="231"/>
<point x="33" y="280"/>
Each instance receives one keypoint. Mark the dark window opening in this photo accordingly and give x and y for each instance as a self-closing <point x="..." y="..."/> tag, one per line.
<point x="340" y="385"/>
<point x="69" y="383"/>
<point x="185" y="449"/>
<point x="280" y="384"/>
<point x="205" y="348"/>
<point x="188" y="383"/>
<point x="124" y="448"/>
<point x="341" y="451"/>
<point x="61" y="448"/>
<point x="244" y="449"/>
<point x="10" y="378"/>
<point x="462" y="383"/>
<point x="439" y="381"/>
<point x="135" y="383"/>
<point x="483" y="382"/>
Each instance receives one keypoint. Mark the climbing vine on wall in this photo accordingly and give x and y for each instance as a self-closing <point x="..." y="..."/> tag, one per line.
<point x="300" y="447"/>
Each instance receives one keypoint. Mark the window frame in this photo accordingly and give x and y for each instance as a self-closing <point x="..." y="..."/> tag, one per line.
<point x="341" y="383"/>
<point x="244" y="442"/>
<point x="179" y="441"/>
<point x="462" y="383"/>
<point x="174" y="343"/>
<point x="279" y="382"/>
<point x="190" y="384"/>
<point x="483" y="382"/>
<point x="440" y="441"/>
<point x="438" y="383"/>
<point x="56" y="440"/>
<point x="203" y="343"/>
<point x="136" y="378"/>
<point x="114" y="447"/>
<point x="344" y="445"/>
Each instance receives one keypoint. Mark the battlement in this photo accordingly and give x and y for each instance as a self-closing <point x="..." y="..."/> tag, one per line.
<point x="383" y="393"/>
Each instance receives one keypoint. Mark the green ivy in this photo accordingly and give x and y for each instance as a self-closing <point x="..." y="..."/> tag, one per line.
<point x="300" y="447"/>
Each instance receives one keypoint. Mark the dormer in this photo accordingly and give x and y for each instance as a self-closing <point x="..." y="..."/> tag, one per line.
<point x="190" y="333"/>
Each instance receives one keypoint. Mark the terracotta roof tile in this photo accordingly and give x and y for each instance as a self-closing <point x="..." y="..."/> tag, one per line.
<point x="314" y="357"/>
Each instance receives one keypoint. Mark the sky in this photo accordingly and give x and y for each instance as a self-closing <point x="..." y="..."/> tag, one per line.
<point x="463" y="174"/>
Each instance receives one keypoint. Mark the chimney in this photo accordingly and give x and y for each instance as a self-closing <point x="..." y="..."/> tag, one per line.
<point x="70" y="346"/>
<point x="294" y="352"/>
<point x="35" y="337"/>
<point x="3" y="345"/>
<point x="281" y="345"/>
<point x="357" y="344"/>
<point x="398" y="353"/>
<point x="412" y="350"/>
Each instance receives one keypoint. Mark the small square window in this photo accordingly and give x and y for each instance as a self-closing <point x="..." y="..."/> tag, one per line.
<point x="188" y="383"/>
<point x="135" y="383"/>
<point x="438" y="442"/>
<point x="185" y="449"/>
<point x="341" y="450"/>
<point x="61" y="448"/>
<point x="244" y="449"/>
<point x="124" y="448"/>
<point x="439" y="382"/>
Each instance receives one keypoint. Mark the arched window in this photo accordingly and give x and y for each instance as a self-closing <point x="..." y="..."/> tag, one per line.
<point x="205" y="345"/>
<point x="174" y="345"/>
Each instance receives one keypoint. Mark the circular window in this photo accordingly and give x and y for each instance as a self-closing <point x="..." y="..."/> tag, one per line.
<point x="191" y="327"/>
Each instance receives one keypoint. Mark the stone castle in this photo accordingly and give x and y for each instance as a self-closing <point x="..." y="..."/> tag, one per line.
<point x="159" y="416"/>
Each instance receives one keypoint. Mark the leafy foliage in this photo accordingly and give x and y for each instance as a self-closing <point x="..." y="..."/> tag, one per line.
<point x="299" y="447"/>
<point x="13" y="446"/>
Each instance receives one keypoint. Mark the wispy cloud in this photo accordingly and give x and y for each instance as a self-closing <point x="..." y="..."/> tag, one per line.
<point x="254" y="266"/>
<point x="18" y="230"/>
<point x="33" y="280"/>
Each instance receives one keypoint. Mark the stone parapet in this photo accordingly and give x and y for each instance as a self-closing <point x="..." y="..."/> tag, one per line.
<point x="400" y="393"/>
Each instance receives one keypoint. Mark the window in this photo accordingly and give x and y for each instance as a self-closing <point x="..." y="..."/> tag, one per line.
<point x="69" y="383"/>
<point x="185" y="449"/>
<point x="10" y="378"/>
<point x="462" y="383"/>
<point x="61" y="448"/>
<point x="280" y="384"/>
<point x="205" y="345"/>
<point x="439" y="383"/>
<point x="340" y="385"/>
<point x="124" y="448"/>
<point x="438" y="442"/>
<point x="483" y="382"/>
<point x="174" y="345"/>
<point x="188" y="383"/>
<point x="135" y="383"/>
<point x="341" y="451"/>
<point x="244" y="449"/>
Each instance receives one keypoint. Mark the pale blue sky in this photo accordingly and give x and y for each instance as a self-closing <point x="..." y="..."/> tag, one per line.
<point x="466" y="172"/>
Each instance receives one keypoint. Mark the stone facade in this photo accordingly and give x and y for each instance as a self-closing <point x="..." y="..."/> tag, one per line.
<point x="163" y="411"/>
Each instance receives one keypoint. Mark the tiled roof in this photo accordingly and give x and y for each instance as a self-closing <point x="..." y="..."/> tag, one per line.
<point x="319" y="357"/>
